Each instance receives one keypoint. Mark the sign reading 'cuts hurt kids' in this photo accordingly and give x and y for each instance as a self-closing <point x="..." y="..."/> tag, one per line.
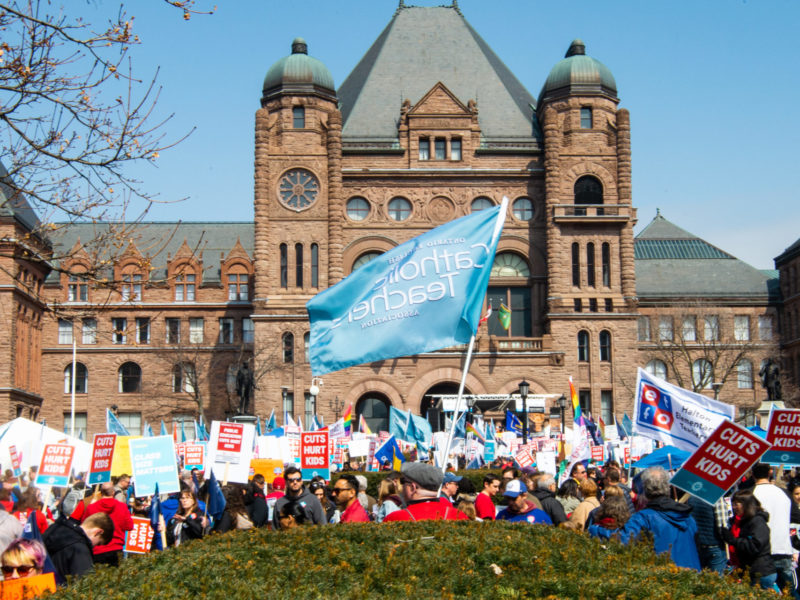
<point x="139" y="539"/>
<point x="56" y="465"/>
<point x="783" y="433"/>
<point x="719" y="462"/>
<point x="314" y="457"/>
<point x="102" y="457"/>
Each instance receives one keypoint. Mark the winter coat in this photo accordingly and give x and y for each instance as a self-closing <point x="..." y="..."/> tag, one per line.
<point x="256" y="504"/>
<point x="569" y="503"/>
<point x="69" y="548"/>
<point x="121" y="517"/>
<point x="553" y="508"/>
<point x="307" y="501"/>
<point x="671" y="524"/>
<point x="752" y="545"/>
<point x="581" y="514"/>
<point x="428" y="509"/>
<point x="179" y="532"/>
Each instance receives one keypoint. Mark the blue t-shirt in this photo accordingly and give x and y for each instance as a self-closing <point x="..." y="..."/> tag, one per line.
<point x="532" y="516"/>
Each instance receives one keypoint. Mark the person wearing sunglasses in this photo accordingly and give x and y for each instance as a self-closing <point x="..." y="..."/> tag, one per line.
<point x="22" y="558"/>
<point x="421" y="485"/>
<point x="305" y="500"/>
<point x="345" y="494"/>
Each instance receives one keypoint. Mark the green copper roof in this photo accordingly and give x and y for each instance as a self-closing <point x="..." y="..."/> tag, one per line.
<point x="578" y="74"/>
<point x="298" y="71"/>
<point x="658" y="249"/>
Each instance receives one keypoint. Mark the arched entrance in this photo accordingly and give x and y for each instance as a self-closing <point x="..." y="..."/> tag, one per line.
<point x="375" y="408"/>
<point x="430" y="407"/>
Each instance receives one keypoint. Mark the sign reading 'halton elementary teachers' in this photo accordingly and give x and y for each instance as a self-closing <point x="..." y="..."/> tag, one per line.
<point x="719" y="462"/>
<point x="783" y="432"/>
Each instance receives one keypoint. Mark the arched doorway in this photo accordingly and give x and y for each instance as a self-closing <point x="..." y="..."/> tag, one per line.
<point x="375" y="408"/>
<point x="430" y="407"/>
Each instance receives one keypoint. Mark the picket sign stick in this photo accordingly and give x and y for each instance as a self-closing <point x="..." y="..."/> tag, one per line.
<point x="162" y="527"/>
<point x="225" y="476"/>
<point x="684" y="498"/>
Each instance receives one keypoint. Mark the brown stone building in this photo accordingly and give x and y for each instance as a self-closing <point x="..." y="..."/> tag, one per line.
<point x="788" y="265"/>
<point x="418" y="134"/>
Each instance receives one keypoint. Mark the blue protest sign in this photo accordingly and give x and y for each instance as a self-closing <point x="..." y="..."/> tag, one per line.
<point x="488" y="451"/>
<point x="153" y="462"/>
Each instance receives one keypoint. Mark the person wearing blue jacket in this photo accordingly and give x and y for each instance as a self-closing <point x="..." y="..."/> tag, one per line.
<point x="670" y="523"/>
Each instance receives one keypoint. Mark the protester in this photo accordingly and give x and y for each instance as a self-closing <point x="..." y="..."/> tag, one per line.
<point x="70" y="544"/>
<point x="579" y="516"/>
<point x="27" y="504"/>
<point x="345" y="494"/>
<point x="520" y="509"/>
<point x="319" y="489"/>
<point x="23" y="558"/>
<point x="119" y="512"/>
<point x="235" y="515"/>
<point x="388" y="499"/>
<point x="450" y="486"/>
<point x="568" y="496"/>
<point x="670" y="523"/>
<point x="612" y="513"/>
<point x="367" y="501"/>
<point x="778" y="506"/>
<point x="256" y="501"/>
<point x="290" y="515"/>
<point x="421" y="484"/>
<point x="578" y="472"/>
<point x="121" y="486"/>
<point x="484" y="503"/>
<point x="10" y="529"/>
<point x="613" y="478"/>
<point x="298" y="493"/>
<point x="710" y="521"/>
<point x="545" y="493"/>
<point x="468" y="508"/>
<point x="187" y="522"/>
<point x="753" y="540"/>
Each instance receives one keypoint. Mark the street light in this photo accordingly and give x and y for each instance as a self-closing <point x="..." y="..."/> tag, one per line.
<point x="562" y="404"/>
<point x="524" y="388"/>
<point x="716" y="386"/>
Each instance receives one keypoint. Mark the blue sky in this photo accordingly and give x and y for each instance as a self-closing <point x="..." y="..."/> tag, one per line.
<point x="708" y="85"/>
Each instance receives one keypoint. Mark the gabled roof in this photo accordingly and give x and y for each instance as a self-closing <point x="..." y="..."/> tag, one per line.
<point x="420" y="47"/>
<point x="673" y="263"/>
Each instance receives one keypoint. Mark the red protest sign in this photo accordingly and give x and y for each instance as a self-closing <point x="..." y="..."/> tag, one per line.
<point x="725" y="456"/>
<point x="598" y="453"/>
<point x="193" y="455"/>
<point x="102" y="456"/>
<point x="230" y="437"/>
<point x="524" y="457"/>
<point x="15" y="462"/>
<point x="56" y="465"/>
<point x="314" y="450"/>
<point x="139" y="539"/>
<point x="783" y="431"/>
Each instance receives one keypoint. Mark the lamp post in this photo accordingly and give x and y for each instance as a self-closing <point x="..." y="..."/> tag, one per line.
<point x="524" y="388"/>
<point x="716" y="386"/>
<point x="337" y="406"/>
<point x="562" y="404"/>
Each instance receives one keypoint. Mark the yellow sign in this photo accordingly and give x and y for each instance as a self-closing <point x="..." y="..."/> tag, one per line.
<point x="268" y="467"/>
<point x="27" y="587"/>
<point x="122" y="455"/>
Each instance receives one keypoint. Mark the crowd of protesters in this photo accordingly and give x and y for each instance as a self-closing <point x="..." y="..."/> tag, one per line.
<point x="752" y="530"/>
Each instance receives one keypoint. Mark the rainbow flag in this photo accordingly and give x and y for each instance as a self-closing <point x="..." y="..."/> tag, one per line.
<point x="474" y="431"/>
<point x="602" y="426"/>
<point x="362" y="425"/>
<point x="348" y="420"/>
<point x="576" y="404"/>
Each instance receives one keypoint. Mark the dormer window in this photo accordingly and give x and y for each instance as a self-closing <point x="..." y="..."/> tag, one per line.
<point x="455" y="149"/>
<point x="440" y="147"/>
<point x="131" y="287"/>
<point x="238" y="287"/>
<point x="185" y="287"/>
<point x="298" y="117"/>
<point x="77" y="289"/>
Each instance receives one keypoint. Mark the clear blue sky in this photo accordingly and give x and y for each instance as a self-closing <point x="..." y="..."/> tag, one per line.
<point x="711" y="87"/>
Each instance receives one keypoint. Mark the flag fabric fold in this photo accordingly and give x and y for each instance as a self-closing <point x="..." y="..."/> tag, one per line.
<point x="513" y="423"/>
<point x="270" y="424"/>
<point x="113" y="425"/>
<point x="390" y="453"/>
<point x="504" y="316"/>
<point x="363" y="427"/>
<point x="348" y="421"/>
<point x="420" y="296"/>
<point x="576" y="403"/>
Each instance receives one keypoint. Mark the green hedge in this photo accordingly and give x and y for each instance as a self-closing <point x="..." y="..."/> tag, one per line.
<point x="420" y="560"/>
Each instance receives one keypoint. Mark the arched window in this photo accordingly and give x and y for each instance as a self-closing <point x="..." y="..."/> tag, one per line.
<point x="375" y="408"/>
<point x="508" y="264"/>
<point x="131" y="285"/>
<point x="184" y="378"/>
<point x="588" y="190"/>
<point x="314" y="265"/>
<point x="399" y="209"/>
<point x="576" y="264"/>
<point x="509" y="286"/>
<point x="284" y="266"/>
<point x="702" y="374"/>
<point x="81" y="380"/>
<point x="744" y="374"/>
<point x="657" y="368"/>
<point x="590" y="264"/>
<point x="522" y="209"/>
<point x="364" y="259"/>
<point x="238" y="284"/>
<point x="605" y="345"/>
<point x="606" y="261"/>
<point x="129" y="378"/>
<point x="288" y="347"/>
<point x="583" y="346"/>
<point x="298" y="264"/>
<point x="481" y="203"/>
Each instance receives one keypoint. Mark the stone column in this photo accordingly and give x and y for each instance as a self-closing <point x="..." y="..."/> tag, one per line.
<point x="335" y="199"/>
<point x="624" y="190"/>
<point x="261" y="187"/>
<point x="552" y="186"/>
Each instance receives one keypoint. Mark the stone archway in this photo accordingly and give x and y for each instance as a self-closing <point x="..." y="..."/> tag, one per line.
<point x="427" y="406"/>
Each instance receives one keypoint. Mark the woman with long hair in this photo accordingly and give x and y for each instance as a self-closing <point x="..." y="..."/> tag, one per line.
<point x="568" y="495"/>
<point x="320" y="490"/>
<point x="187" y="523"/>
<point x="752" y="544"/>
<point x="235" y="515"/>
<point x="388" y="499"/>
<point x="613" y="512"/>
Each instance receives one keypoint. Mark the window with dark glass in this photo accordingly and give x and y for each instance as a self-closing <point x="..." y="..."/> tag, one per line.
<point x="455" y="149"/>
<point x="586" y="117"/>
<point x="609" y="305"/>
<point x="173" y="327"/>
<point x="248" y="331"/>
<point x="314" y="265"/>
<point x="81" y="380"/>
<point x="129" y="378"/>
<point x="576" y="265"/>
<point x="518" y="299"/>
<point x="142" y="330"/>
<point x="440" y="147"/>
<point x="119" y="330"/>
<point x="583" y="346"/>
<point x="298" y="264"/>
<point x="298" y="117"/>
<point x="605" y="345"/>
<point x="588" y="190"/>
<point x="606" y="260"/>
<point x="424" y="149"/>
<point x="578" y="305"/>
<point x="607" y="406"/>
<point x="284" y="251"/>
<point x="226" y="331"/>
<point x="288" y="347"/>
<point x="585" y="401"/>
<point x="590" y="264"/>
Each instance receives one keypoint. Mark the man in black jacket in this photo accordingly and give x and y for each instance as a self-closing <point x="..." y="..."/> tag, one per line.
<point x="545" y="492"/>
<point x="255" y="501"/>
<point x="70" y="543"/>
<point x="305" y="500"/>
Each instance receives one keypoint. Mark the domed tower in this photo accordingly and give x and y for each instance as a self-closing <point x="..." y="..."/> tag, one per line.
<point x="297" y="210"/>
<point x="590" y="235"/>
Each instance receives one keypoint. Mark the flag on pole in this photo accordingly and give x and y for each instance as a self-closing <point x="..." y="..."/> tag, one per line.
<point x="422" y="295"/>
<point x="470" y="428"/>
<point x="602" y="426"/>
<point x="348" y="420"/>
<point x="390" y="453"/>
<point x="485" y="317"/>
<point x="258" y="426"/>
<point x="576" y="403"/>
<point x="148" y="430"/>
<point x="288" y="421"/>
<point x="183" y="431"/>
<point x="362" y="425"/>
<point x="504" y="316"/>
<point x="113" y="425"/>
<point x="163" y="428"/>
<point x="513" y="423"/>
<point x="270" y="424"/>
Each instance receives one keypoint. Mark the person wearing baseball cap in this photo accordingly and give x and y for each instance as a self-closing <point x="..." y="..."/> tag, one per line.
<point x="520" y="509"/>
<point x="450" y="486"/>
<point x="421" y="483"/>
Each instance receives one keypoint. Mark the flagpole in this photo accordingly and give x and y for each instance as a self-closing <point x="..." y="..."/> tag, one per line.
<point x="72" y="386"/>
<point x="456" y="416"/>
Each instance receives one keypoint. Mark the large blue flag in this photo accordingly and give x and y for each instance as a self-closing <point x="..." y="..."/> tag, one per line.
<point x="113" y="425"/>
<point x="216" y="499"/>
<point x="513" y="423"/>
<point x="390" y="453"/>
<point x="409" y="428"/>
<point x="421" y="296"/>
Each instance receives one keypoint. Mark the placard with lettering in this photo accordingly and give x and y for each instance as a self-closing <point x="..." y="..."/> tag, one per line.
<point x="153" y="461"/>
<point x="15" y="460"/>
<point x="139" y="539"/>
<point x="524" y="457"/>
<point x="102" y="457"/>
<point x="56" y="465"/>
<point x="194" y="456"/>
<point x="314" y="458"/>
<point x="783" y="433"/>
<point x="719" y="462"/>
<point x="230" y="450"/>
<point x="598" y="453"/>
<point x="228" y="442"/>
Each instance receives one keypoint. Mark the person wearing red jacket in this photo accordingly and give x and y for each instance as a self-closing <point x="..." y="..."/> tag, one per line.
<point x="110" y="553"/>
<point x="421" y="483"/>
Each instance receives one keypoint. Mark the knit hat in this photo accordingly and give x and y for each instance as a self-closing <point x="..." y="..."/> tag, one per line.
<point x="279" y="483"/>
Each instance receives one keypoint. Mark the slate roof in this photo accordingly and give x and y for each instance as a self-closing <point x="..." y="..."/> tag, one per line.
<point x="15" y="205"/>
<point x="671" y="262"/>
<point x="420" y="47"/>
<point x="213" y="239"/>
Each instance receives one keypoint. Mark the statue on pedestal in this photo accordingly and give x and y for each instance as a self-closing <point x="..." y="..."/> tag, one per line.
<point x="771" y="379"/>
<point x="245" y="382"/>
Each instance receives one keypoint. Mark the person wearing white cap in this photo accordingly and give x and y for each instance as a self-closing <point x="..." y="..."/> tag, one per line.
<point x="520" y="509"/>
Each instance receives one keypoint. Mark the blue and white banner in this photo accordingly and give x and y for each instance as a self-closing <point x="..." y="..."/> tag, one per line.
<point x="673" y="415"/>
<point x="113" y="425"/>
<point x="421" y="296"/>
